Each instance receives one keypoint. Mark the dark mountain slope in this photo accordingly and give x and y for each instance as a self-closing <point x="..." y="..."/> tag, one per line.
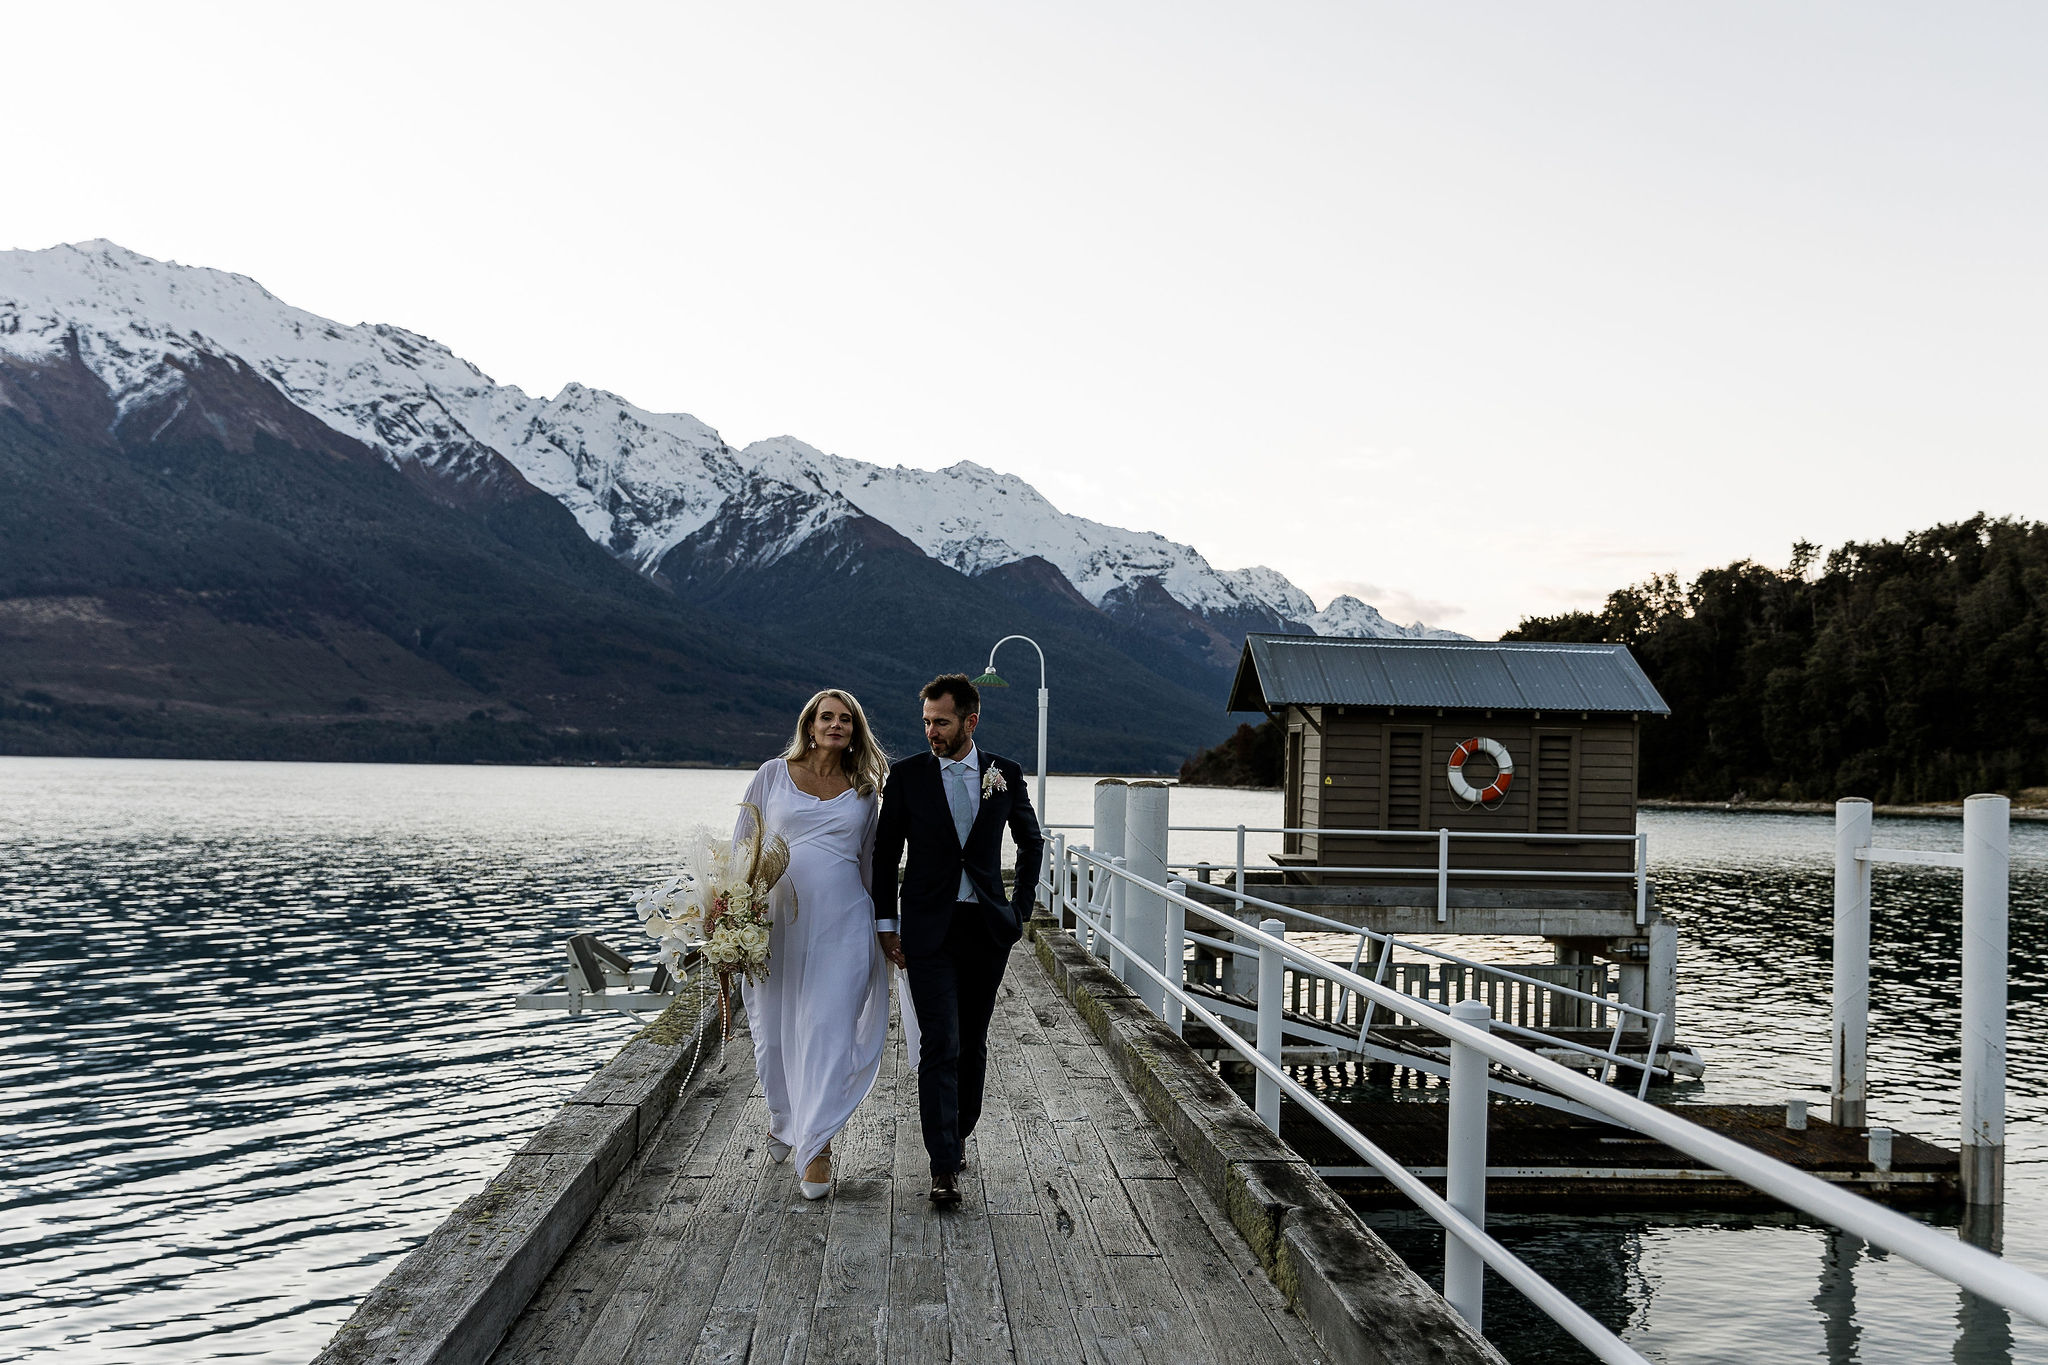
<point x="891" y="617"/>
<point x="220" y="575"/>
<point x="1184" y="653"/>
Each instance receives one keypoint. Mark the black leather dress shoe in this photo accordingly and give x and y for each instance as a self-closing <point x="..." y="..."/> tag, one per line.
<point x="944" y="1191"/>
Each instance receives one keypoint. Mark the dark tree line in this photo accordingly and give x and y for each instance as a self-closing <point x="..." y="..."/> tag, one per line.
<point x="1914" y="670"/>
<point x="1249" y="758"/>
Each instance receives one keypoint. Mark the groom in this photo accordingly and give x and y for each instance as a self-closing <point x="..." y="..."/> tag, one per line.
<point x="956" y="925"/>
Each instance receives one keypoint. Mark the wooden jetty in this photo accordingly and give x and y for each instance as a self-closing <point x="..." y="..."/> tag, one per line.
<point x="1121" y="1205"/>
<point x="1543" y="1158"/>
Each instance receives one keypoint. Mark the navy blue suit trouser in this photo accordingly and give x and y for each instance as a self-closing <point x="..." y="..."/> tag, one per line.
<point x="954" y="988"/>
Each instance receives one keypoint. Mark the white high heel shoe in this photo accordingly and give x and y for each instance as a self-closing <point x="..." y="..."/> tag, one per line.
<point x="817" y="1189"/>
<point x="778" y="1150"/>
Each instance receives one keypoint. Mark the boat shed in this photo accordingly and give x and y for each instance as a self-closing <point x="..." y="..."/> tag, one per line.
<point x="1475" y="737"/>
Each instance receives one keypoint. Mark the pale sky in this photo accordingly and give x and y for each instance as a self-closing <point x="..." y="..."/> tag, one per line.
<point x="1474" y="310"/>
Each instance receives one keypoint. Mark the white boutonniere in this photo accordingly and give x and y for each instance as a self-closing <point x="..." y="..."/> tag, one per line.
<point x="992" y="781"/>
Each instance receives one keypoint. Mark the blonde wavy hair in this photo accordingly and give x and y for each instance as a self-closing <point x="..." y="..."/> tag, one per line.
<point x="865" y="762"/>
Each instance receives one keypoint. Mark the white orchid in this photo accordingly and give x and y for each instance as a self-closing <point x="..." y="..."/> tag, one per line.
<point x="709" y="908"/>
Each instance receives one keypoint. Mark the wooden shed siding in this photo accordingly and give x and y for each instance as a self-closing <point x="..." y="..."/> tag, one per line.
<point x="1346" y="784"/>
<point x="1312" y="778"/>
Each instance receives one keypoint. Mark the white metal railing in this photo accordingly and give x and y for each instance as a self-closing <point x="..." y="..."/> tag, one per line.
<point x="1476" y="978"/>
<point x="1095" y="891"/>
<point x="1986" y="863"/>
<point x="1445" y="873"/>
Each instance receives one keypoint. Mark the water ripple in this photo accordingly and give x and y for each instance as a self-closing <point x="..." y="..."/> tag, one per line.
<point x="256" y="1040"/>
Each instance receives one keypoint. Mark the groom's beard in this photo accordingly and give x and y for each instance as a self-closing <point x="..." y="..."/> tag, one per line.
<point x="959" y="747"/>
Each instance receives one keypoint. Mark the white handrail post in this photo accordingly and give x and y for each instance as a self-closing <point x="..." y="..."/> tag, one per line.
<point x="1987" y="835"/>
<point x="1849" y="1092"/>
<point x="1465" y="1165"/>
<point x="1443" y="875"/>
<point x="1146" y="829"/>
<point x="1176" y="956"/>
<point x="1056" y="882"/>
<point x="1240" y="862"/>
<point x="1119" y="921"/>
<point x="1087" y="894"/>
<point x="1642" y="877"/>
<point x="1272" y="963"/>
<point x="1112" y="798"/>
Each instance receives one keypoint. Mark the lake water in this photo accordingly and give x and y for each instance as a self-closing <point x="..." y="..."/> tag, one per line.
<point x="257" y="1036"/>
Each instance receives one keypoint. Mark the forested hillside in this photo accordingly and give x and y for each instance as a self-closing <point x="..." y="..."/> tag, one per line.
<point x="1914" y="670"/>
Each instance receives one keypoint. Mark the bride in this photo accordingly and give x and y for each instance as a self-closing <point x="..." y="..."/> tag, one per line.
<point x="821" y="1019"/>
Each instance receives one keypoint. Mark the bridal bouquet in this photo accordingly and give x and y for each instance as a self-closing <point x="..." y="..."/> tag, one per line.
<point x="719" y="903"/>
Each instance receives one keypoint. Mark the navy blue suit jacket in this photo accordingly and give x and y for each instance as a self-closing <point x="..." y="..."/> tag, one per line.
<point x="915" y="814"/>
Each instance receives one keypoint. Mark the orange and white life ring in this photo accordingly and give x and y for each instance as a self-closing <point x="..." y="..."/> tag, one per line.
<point x="1494" y="791"/>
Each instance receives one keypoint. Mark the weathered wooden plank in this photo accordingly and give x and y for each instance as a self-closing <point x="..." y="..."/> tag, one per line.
<point x="477" y="1268"/>
<point x="1162" y="1320"/>
<point x="659" y="1310"/>
<point x="1237" y="1309"/>
<point x="558" y="1319"/>
<point x="554" y="1325"/>
<point x="1041" y="1320"/>
<point x="977" y="1322"/>
<point x="1071" y="1169"/>
<point x="1118" y="1229"/>
<point x="918" y="1331"/>
<point x="728" y="1332"/>
<point x="789" y="1281"/>
<point x="1092" y="1097"/>
<point x="866" y="1148"/>
<point x="850" y="1322"/>
<point x="606" y="1133"/>
<point x="737" y="1072"/>
<point x="1037" y="1015"/>
<point x="1049" y="1074"/>
<point x="1005" y="1176"/>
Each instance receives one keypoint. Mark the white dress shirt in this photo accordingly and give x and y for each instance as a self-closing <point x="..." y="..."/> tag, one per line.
<point x="948" y="774"/>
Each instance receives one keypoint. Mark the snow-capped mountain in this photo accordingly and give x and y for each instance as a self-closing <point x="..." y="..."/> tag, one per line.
<point x="1350" y="618"/>
<point x="639" y="483"/>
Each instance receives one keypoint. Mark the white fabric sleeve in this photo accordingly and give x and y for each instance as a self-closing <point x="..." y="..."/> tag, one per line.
<point x="867" y="860"/>
<point x="757" y="796"/>
<point x="867" y="845"/>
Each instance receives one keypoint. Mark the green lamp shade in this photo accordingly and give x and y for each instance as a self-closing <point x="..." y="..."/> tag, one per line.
<point x="989" y="679"/>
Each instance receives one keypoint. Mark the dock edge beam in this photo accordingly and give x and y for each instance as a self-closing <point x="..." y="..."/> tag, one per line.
<point x="452" y="1299"/>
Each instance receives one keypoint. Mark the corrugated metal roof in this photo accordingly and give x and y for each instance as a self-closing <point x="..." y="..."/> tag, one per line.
<point x="1510" y="675"/>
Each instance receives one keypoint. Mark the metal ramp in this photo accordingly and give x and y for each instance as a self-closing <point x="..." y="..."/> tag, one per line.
<point x="1310" y="1040"/>
<point x="597" y="976"/>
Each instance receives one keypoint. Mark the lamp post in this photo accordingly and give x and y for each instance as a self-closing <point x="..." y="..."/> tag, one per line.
<point x="989" y="679"/>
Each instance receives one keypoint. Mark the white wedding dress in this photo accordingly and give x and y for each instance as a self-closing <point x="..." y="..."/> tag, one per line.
<point x="821" y="1019"/>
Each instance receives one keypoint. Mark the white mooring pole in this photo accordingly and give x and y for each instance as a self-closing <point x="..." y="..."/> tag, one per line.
<point x="1043" y="696"/>
<point x="1849" y="1093"/>
<point x="1465" y="1165"/>
<point x="1987" y="834"/>
<point x="1145" y="834"/>
<point x="1266" y="1092"/>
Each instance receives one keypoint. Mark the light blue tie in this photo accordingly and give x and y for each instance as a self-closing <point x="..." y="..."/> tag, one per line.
<point x="957" y="777"/>
<point x="958" y="799"/>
